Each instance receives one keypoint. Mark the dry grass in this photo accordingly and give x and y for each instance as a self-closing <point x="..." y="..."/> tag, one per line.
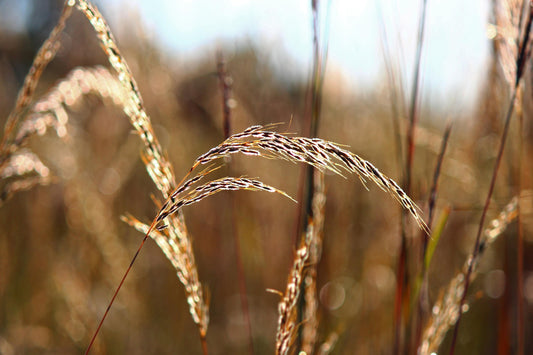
<point x="339" y="293"/>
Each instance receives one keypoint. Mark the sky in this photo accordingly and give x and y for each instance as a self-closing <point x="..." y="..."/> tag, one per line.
<point x="454" y="53"/>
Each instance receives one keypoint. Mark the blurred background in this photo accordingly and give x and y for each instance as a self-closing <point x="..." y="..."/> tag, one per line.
<point x="63" y="248"/>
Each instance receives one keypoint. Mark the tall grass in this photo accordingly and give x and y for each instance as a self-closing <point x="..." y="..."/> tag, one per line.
<point x="350" y="285"/>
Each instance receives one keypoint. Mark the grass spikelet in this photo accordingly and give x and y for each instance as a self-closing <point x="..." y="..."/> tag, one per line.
<point x="49" y="111"/>
<point x="61" y="247"/>
<point x="25" y="170"/>
<point x="319" y="153"/>
<point x="24" y="162"/>
<point x="157" y="166"/>
<point x="169" y="235"/>
<point x="45" y="54"/>
<point x="287" y="319"/>
<point x="445" y="311"/>
<point x="224" y="184"/>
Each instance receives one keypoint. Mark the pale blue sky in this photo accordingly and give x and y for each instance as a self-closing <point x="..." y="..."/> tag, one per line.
<point x="455" y="48"/>
<point x="455" y="44"/>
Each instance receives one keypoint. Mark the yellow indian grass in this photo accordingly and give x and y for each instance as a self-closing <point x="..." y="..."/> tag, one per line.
<point x="177" y="249"/>
<point x="445" y="311"/>
<point x="156" y="162"/>
<point x="199" y="193"/>
<point x="255" y="140"/>
<point x="323" y="155"/>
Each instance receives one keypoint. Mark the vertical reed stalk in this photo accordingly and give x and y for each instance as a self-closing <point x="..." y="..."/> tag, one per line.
<point x="225" y="82"/>
<point x="422" y="299"/>
<point x="402" y="270"/>
<point x="313" y="120"/>
<point x="483" y="216"/>
<point x="521" y="59"/>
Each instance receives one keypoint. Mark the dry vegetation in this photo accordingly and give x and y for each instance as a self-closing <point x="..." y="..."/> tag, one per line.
<point x="347" y="269"/>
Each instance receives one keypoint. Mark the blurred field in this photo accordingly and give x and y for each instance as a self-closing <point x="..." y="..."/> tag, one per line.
<point x="64" y="249"/>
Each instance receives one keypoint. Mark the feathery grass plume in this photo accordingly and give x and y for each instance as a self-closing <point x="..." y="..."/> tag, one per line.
<point x="199" y="193"/>
<point x="9" y="158"/>
<point x="310" y="297"/>
<point x="45" y="54"/>
<point x="287" y="320"/>
<point x="49" y="111"/>
<point x="445" y="311"/>
<point x="26" y="170"/>
<point x="156" y="162"/>
<point x="323" y="155"/>
<point x="177" y="249"/>
<point x="24" y="162"/>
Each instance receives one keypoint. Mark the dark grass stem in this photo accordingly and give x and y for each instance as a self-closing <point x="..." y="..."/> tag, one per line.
<point x="320" y="50"/>
<point x="422" y="302"/>
<point x="435" y="184"/>
<point x="225" y="83"/>
<point x="523" y="55"/>
<point x="519" y="321"/>
<point x="413" y="108"/>
<point x="482" y="220"/>
<point x="118" y="289"/>
<point x="396" y="97"/>
<point x="401" y="272"/>
<point x="401" y="282"/>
